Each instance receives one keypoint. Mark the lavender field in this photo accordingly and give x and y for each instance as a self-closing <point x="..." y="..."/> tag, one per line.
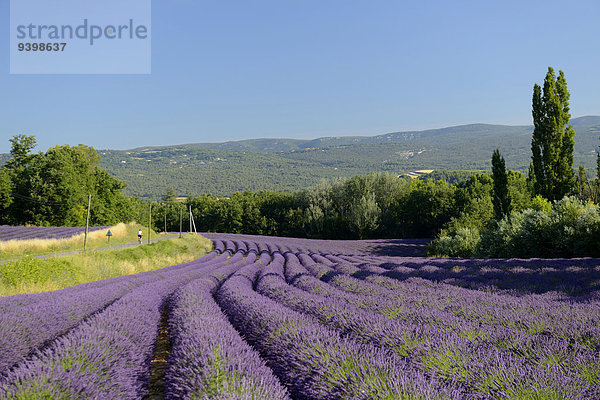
<point x="41" y="232"/>
<point x="281" y="318"/>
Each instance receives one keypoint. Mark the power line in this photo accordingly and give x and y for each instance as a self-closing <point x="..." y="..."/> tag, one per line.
<point x="39" y="201"/>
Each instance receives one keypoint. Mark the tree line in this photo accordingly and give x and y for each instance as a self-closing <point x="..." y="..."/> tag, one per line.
<point x="376" y="205"/>
<point x="51" y="188"/>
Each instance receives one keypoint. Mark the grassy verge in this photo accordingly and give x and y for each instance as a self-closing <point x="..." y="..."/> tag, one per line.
<point x="122" y="233"/>
<point x="30" y="275"/>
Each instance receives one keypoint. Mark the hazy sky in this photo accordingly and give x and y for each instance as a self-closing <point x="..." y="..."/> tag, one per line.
<point x="228" y="70"/>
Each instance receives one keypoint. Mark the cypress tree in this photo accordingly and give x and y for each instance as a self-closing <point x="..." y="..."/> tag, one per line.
<point x="552" y="142"/>
<point x="582" y="183"/>
<point x="598" y="166"/>
<point x="501" y="200"/>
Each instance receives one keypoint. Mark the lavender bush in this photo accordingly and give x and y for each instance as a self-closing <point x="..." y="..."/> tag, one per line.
<point x="314" y="319"/>
<point x="106" y="356"/>
<point x="209" y="359"/>
<point x="42" y="232"/>
<point x="314" y="362"/>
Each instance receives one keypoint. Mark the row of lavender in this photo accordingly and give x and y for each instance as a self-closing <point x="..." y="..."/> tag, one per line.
<point x="453" y="342"/>
<point x="475" y="343"/>
<point x="319" y="319"/>
<point x="42" y="232"/>
<point x="495" y="348"/>
<point x="573" y="277"/>
<point x="102" y="337"/>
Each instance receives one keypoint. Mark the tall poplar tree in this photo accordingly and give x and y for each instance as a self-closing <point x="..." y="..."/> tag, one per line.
<point x="598" y="166"/>
<point x="552" y="143"/>
<point x="501" y="199"/>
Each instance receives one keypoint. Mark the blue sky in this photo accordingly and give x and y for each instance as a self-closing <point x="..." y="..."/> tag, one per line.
<point x="229" y="70"/>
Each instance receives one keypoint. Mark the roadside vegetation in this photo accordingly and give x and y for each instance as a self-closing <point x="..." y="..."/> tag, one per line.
<point x="122" y="233"/>
<point x="33" y="275"/>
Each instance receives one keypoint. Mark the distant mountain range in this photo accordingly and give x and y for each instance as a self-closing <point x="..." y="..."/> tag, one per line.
<point x="291" y="164"/>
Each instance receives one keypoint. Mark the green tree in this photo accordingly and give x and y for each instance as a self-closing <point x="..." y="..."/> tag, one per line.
<point x="501" y="199"/>
<point x="283" y="214"/>
<point x="598" y="166"/>
<point x="252" y="220"/>
<point x="16" y="171"/>
<point x="389" y="189"/>
<point x="518" y="191"/>
<point x="320" y="204"/>
<point x="204" y="209"/>
<point x="109" y="204"/>
<point x="596" y="187"/>
<point x="59" y="183"/>
<point x="169" y="211"/>
<point x="426" y="208"/>
<point x="21" y="146"/>
<point x="53" y="187"/>
<point x="364" y="214"/>
<point x="552" y="142"/>
<point x="6" y="187"/>
<point x="473" y="203"/>
<point x="229" y="215"/>
<point x="582" y="182"/>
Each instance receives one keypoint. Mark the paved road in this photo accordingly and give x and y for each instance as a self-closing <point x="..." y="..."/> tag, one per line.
<point x="112" y="247"/>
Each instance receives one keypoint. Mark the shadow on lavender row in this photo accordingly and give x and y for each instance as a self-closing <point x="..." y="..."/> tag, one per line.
<point x="398" y="247"/>
<point x="582" y="283"/>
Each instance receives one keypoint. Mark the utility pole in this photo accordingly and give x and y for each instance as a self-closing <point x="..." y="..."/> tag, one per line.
<point x="149" y="221"/>
<point x="165" y="218"/>
<point x="180" y="221"/>
<point x="192" y="222"/>
<point x="87" y="222"/>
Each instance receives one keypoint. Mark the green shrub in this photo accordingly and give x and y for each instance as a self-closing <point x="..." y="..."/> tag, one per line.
<point x="566" y="228"/>
<point x="541" y="204"/>
<point x="461" y="243"/>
